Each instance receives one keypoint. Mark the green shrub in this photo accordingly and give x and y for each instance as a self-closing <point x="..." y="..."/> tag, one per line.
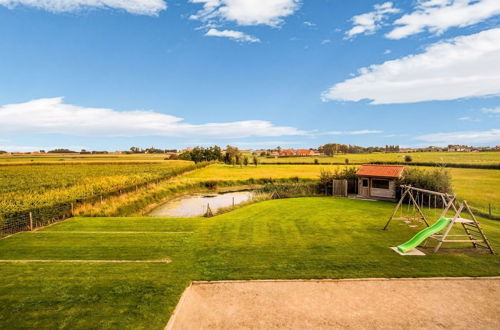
<point x="437" y="179"/>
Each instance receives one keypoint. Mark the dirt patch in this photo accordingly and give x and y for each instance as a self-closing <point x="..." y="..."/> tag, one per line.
<point x="458" y="303"/>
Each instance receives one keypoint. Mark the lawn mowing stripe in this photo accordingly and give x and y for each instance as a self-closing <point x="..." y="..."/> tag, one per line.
<point x="111" y="232"/>
<point x="86" y="261"/>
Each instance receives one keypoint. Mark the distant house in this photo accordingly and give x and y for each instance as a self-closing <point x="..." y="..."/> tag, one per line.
<point x="287" y="152"/>
<point x="459" y="148"/>
<point x="379" y="181"/>
<point x="305" y="152"/>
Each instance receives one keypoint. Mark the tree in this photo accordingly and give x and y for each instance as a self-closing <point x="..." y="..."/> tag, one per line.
<point x="408" y="158"/>
<point x="245" y="160"/>
<point x="135" y="150"/>
<point x="230" y="153"/>
<point x="255" y="161"/>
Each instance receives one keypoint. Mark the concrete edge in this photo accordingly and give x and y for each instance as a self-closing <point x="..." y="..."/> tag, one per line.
<point x="380" y="279"/>
<point x="171" y="320"/>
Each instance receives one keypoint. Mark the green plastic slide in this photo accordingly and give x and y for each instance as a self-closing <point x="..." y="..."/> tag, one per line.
<point x="422" y="235"/>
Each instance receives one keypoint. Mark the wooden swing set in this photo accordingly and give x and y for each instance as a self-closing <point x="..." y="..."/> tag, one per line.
<point x="473" y="232"/>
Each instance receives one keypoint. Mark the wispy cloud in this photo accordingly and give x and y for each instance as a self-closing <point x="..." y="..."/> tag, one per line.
<point x="370" y="22"/>
<point x="467" y="118"/>
<point x="52" y="116"/>
<point x="436" y="16"/>
<point x="465" y="66"/>
<point x="139" y="7"/>
<point x="491" y="111"/>
<point x="231" y="34"/>
<point x="465" y="137"/>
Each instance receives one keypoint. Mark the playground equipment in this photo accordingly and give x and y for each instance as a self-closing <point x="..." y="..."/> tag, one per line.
<point x="473" y="232"/>
<point x="416" y="199"/>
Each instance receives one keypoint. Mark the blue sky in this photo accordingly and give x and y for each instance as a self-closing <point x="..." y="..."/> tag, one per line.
<point x="252" y="73"/>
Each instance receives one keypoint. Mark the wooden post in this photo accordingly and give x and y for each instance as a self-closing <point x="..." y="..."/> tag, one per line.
<point x="101" y="199"/>
<point x="31" y="221"/>
<point x="72" y="209"/>
<point x="233" y="201"/>
<point x="333" y="188"/>
<point x="345" y="188"/>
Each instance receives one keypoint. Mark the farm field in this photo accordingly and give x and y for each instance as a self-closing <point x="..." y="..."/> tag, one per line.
<point x="78" y="158"/>
<point x="442" y="158"/>
<point x="24" y="187"/>
<point x="27" y="187"/>
<point x="304" y="238"/>
<point x="479" y="187"/>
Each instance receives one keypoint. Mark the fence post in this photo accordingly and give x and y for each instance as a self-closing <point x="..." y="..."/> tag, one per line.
<point x="101" y="199"/>
<point x="31" y="221"/>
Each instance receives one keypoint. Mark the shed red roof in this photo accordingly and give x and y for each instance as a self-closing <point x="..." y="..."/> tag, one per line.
<point x="383" y="171"/>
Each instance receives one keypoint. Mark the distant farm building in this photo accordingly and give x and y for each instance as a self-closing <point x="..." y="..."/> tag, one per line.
<point x="379" y="181"/>
<point x="298" y="152"/>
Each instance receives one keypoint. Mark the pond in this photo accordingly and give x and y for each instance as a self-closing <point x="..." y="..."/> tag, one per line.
<point x="196" y="205"/>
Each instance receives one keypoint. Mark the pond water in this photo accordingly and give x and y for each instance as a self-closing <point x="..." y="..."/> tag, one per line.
<point x="196" y="205"/>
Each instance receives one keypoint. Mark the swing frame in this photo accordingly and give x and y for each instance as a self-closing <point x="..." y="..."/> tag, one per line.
<point x="473" y="232"/>
<point x="408" y="190"/>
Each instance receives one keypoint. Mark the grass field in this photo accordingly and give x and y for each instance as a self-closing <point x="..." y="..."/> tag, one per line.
<point x="478" y="186"/>
<point x="478" y="158"/>
<point x="278" y="239"/>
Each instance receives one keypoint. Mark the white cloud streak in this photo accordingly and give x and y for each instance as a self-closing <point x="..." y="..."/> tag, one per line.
<point x="491" y="111"/>
<point x="466" y="137"/>
<point x="368" y="23"/>
<point x="245" y="12"/>
<point x="463" y="67"/>
<point x="231" y="34"/>
<point x="437" y="16"/>
<point x="139" y="7"/>
<point x="52" y="116"/>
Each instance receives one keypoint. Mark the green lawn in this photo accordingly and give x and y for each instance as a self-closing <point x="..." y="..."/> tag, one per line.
<point x="278" y="239"/>
<point x="479" y="187"/>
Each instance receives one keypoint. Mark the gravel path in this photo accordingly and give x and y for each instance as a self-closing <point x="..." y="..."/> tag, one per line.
<point x="434" y="303"/>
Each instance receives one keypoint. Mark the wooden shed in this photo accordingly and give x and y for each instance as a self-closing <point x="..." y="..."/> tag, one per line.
<point x="378" y="181"/>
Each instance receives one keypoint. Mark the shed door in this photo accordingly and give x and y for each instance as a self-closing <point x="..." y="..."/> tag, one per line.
<point x="364" y="187"/>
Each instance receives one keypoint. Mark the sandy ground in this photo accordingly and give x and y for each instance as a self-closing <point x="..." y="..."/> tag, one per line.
<point x="462" y="303"/>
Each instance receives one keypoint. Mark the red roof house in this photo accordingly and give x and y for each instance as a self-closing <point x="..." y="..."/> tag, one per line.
<point x="379" y="181"/>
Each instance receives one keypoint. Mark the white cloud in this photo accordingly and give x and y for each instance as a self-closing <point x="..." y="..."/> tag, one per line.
<point x="467" y="137"/>
<point x="246" y="12"/>
<point x="52" y="116"/>
<point x="491" y="111"/>
<point x="370" y="22"/>
<point x="326" y="42"/>
<point x="360" y="132"/>
<point x="437" y="16"/>
<point x="467" y="118"/>
<point x="466" y="66"/>
<point x="231" y="34"/>
<point x="140" y="7"/>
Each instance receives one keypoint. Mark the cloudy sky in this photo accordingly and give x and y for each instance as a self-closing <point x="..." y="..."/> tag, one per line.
<point x="109" y="74"/>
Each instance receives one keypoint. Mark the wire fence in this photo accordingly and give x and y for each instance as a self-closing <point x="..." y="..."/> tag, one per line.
<point x="31" y="219"/>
